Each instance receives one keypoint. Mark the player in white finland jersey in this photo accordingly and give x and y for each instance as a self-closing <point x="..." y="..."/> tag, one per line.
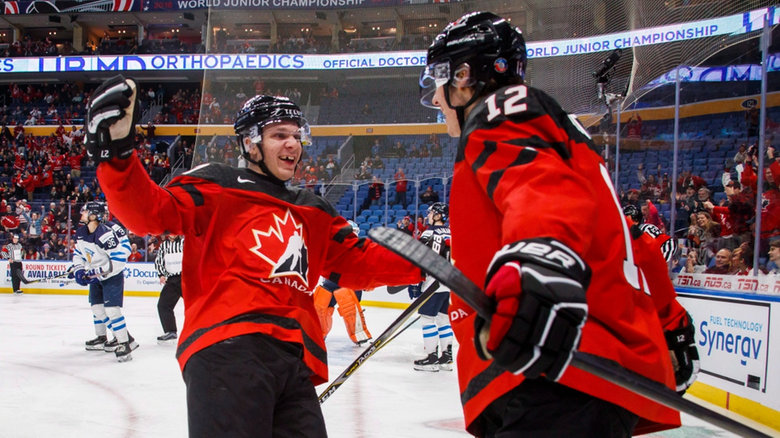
<point x="433" y="314"/>
<point x="99" y="259"/>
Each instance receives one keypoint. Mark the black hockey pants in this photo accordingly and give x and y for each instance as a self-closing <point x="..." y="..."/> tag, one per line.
<point x="251" y="386"/>
<point x="541" y="408"/>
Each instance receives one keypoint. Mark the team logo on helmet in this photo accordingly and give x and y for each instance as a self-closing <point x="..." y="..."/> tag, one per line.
<point x="283" y="248"/>
<point x="500" y="65"/>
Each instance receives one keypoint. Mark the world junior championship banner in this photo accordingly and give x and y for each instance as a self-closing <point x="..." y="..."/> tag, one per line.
<point x="54" y="6"/>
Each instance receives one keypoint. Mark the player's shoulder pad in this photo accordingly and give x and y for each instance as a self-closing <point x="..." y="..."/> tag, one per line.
<point x="207" y="171"/>
<point x="523" y="104"/>
<point x="106" y="238"/>
<point x="306" y="197"/>
<point x="441" y="229"/>
<point x="118" y="229"/>
<point x="231" y="177"/>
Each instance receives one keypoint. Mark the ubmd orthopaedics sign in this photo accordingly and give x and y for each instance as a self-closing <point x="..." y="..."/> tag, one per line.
<point x="731" y="25"/>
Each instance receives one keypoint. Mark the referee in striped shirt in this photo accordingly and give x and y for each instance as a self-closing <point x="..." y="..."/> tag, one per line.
<point x="168" y="264"/>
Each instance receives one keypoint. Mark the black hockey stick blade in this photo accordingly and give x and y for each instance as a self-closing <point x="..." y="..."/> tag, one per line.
<point x="439" y="268"/>
<point x="378" y="343"/>
<point x="53" y="277"/>
<point x="392" y="290"/>
<point x="23" y="279"/>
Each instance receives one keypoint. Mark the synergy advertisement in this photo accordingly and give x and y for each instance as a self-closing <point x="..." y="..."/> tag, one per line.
<point x="736" y="343"/>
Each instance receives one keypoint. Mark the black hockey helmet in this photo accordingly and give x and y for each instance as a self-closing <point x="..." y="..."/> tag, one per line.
<point x="633" y="212"/>
<point x="263" y="110"/>
<point x="97" y="208"/>
<point x="492" y="48"/>
<point x="441" y="209"/>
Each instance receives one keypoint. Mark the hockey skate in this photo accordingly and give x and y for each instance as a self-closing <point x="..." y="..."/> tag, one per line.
<point x="96" y="344"/>
<point x="445" y="361"/>
<point x="123" y="350"/>
<point x="166" y="338"/>
<point x="430" y="363"/>
<point x="110" y="346"/>
<point x="363" y="342"/>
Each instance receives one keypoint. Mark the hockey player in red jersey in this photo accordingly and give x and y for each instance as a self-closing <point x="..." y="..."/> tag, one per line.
<point x="561" y="271"/>
<point x="251" y="349"/>
<point x="653" y="249"/>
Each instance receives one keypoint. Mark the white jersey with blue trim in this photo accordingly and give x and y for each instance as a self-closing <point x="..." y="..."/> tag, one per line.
<point x="436" y="237"/>
<point x="106" y="249"/>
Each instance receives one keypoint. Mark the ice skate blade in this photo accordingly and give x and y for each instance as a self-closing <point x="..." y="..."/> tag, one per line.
<point x="430" y="368"/>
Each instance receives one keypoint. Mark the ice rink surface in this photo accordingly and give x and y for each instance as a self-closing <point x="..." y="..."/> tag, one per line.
<point x="50" y="386"/>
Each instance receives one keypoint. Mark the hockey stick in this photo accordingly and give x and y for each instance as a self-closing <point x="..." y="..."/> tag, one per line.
<point x="38" y="280"/>
<point x="439" y="268"/>
<point x="392" y="290"/>
<point x="378" y="343"/>
<point x="408" y="324"/>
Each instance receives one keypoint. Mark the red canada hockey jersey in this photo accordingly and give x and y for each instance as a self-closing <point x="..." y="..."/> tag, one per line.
<point x="652" y="248"/>
<point x="254" y="252"/>
<point x="525" y="169"/>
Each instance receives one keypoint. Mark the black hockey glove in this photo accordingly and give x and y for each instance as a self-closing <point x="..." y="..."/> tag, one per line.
<point x="539" y="288"/>
<point x="111" y="116"/>
<point x="684" y="355"/>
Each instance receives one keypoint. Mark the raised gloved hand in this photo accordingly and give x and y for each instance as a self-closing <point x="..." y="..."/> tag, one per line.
<point x="111" y="116"/>
<point x="81" y="277"/>
<point x="684" y="355"/>
<point x="539" y="289"/>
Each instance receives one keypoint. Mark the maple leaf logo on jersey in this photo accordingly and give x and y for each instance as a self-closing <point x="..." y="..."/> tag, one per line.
<point x="283" y="247"/>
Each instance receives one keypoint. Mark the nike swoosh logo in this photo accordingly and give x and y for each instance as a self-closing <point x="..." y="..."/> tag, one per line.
<point x="244" y="180"/>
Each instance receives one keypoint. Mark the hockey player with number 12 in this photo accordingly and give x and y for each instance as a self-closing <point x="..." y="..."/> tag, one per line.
<point x="98" y="262"/>
<point x="560" y="272"/>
